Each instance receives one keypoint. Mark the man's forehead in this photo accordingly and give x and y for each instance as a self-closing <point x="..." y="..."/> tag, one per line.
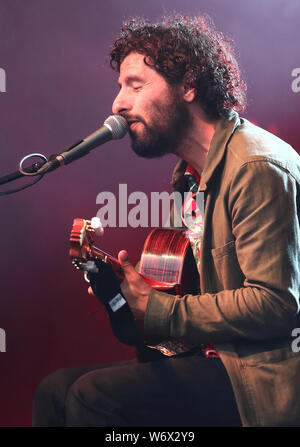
<point x="132" y="59"/>
<point x="133" y="64"/>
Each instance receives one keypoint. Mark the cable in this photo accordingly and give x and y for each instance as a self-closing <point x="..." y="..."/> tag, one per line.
<point x="27" y="174"/>
<point x="11" y="191"/>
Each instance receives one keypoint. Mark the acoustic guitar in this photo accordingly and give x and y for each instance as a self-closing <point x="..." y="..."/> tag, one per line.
<point x="166" y="263"/>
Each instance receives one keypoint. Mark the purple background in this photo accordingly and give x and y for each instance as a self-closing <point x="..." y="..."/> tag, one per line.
<point x="60" y="89"/>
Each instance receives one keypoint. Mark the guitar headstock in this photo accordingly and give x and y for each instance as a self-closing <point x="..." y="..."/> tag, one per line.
<point x="83" y="252"/>
<point x="82" y="239"/>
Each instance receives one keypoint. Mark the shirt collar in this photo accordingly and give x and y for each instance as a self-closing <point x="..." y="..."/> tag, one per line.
<point x="223" y="133"/>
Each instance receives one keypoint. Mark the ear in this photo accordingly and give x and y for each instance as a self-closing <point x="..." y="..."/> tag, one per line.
<point x="189" y="94"/>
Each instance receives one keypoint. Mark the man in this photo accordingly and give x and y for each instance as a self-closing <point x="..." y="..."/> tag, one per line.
<point x="180" y="88"/>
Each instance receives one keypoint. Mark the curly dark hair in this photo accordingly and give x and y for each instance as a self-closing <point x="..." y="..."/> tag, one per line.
<point x="189" y="50"/>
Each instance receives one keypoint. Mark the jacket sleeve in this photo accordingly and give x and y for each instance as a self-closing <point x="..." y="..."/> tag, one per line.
<point x="262" y="203"/>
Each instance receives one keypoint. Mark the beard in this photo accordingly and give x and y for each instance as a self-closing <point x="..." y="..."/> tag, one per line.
<point x="170" y="122"/>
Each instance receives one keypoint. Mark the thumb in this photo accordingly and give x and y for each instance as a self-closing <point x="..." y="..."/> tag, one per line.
<point x="125" y="263"/>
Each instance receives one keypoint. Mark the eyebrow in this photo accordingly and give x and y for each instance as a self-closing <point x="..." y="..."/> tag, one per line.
<point x="129" y="79"/>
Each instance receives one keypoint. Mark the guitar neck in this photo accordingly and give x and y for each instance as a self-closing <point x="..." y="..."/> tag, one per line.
<point x="113" y="262"/>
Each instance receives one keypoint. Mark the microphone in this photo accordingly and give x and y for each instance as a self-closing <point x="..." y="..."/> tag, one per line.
<point x="114" y="128"/>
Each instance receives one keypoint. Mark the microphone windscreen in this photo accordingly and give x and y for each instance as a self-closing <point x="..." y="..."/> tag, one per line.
<point x="118" y="126"/>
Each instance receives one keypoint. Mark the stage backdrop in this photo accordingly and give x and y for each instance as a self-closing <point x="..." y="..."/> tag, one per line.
<point x="56" y="87"/>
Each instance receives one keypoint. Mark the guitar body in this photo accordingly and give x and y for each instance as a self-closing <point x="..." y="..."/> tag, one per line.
<point x="166" y="263"/>
<point x="168" y="259"/>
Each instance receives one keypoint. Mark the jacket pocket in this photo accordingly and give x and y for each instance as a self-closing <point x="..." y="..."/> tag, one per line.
<point x="227" y="266"/>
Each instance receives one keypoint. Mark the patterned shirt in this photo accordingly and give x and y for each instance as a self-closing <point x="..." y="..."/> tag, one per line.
<point x="192" y="214"/>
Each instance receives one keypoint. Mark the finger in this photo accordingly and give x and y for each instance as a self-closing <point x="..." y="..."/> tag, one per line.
<point x="123" y="257"/>
<point x="125" y="263"/>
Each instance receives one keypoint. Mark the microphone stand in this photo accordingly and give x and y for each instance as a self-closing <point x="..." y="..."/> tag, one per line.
<point x="17" y="174"/>
<point x="31" y="170"/>
<point x="34" y="169"/>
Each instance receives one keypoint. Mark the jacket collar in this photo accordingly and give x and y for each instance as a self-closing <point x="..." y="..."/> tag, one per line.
<point x="223" y="133"/>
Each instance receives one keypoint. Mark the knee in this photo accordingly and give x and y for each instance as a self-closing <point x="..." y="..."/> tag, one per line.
<point x="89" y="404"/>
<point x="49" y="399"/>
<point x="51" y="385"/>
<point x="79" y="404"/>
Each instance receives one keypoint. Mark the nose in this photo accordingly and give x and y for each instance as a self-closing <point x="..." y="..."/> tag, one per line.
<point x="121" y="103"/>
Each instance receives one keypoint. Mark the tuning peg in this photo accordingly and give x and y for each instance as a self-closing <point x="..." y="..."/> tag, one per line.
<point x="96" y="226"/>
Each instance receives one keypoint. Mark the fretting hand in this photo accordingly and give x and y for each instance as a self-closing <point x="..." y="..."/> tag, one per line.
<point x="134" y="288"/>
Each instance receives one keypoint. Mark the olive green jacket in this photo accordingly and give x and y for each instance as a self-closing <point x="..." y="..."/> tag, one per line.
<point x="250" y="279"/>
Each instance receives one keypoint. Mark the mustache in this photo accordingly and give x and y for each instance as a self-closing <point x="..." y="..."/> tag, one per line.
<point x="131" y="118"/>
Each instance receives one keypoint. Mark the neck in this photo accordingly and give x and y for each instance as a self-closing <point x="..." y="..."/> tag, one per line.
<point x="196" y="145"/>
